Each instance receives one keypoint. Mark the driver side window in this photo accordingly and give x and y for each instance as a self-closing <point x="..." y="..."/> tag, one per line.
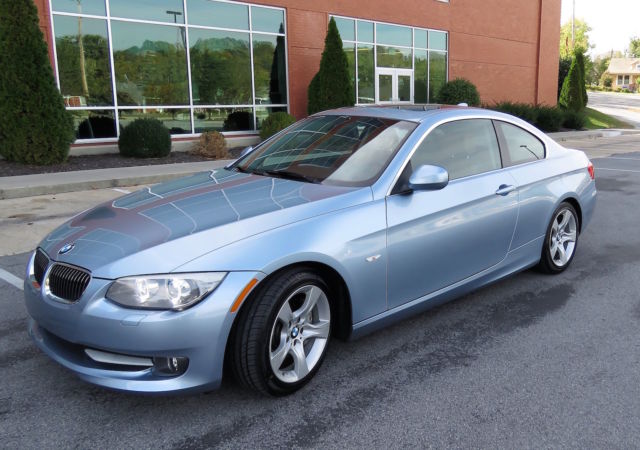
<point x="463" y="147"/>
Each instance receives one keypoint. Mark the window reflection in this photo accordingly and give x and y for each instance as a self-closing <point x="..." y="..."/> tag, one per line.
<point x="93" y="7"/>
<point x="366" y="74"/>
<point x="270" y="74"/>
<point x="267" y="19"/>
<point x="83" y="61"/>
<point x="156" y="10"/>
<point x="437" y="74"/>
<point x="394" y="57"/>
<point x="178" y="121"/>
<point x="150" y="64"/>
<point x="420" y="76"/>
<point x="94" y="124"/>
<point x="218" y="14"/>
<point x="223" y="119"/>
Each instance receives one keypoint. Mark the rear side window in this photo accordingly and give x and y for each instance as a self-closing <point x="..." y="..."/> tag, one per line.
<point x="521" y="146"/>
<point x="464" y="147"/>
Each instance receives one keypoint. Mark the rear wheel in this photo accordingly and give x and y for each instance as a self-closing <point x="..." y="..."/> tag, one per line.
<point x="561" y="240"/>
<point x="281" y="338"/>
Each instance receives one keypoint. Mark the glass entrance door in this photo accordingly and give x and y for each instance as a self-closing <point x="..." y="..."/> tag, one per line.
<point x="394" y="85"/>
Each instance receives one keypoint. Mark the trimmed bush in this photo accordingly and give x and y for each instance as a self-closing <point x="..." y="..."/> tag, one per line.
<point x="574" y="120"/>
<point x="35" y="128"/>
<point x="331" y="87"/>
<point x="571" y="94"/>
<point x="97" y="127"/>
<point x="238" y="121"/>
<point x="145" y="138"/>
<point x="211" y="145"/>
<point x="275" y="122"/>
<point x="522" y="110"/>
<point x="549" y="118"/>
<point x="459" y="91"/>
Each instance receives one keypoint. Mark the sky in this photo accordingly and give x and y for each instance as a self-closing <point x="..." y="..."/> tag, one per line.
<point x="613" y="22"/>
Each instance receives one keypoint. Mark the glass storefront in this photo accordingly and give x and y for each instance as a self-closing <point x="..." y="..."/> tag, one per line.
<point x="195" y="65"/>
<point x="394" y="63"/>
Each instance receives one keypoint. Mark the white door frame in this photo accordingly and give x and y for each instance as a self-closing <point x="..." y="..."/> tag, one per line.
<point x="394" y="83"/>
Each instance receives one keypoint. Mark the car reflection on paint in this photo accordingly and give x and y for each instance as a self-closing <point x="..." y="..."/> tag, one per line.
<point x="343" y="223"/>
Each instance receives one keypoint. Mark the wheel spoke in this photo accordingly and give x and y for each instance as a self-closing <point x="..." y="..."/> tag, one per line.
<point x="278" y="356"/>
<point x="564" y="221"/>
<point x="316" y="330"/>
<point x="311" y="299"/>
<point x="562" y="255"/>
<point x="569" y="237"/>
<point x="299" y="361"/>
<point x="285" y="315"/>
<point x="554" y="248"/>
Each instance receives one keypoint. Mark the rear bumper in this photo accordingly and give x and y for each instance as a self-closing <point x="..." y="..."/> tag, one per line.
<point x="64" y="331"/>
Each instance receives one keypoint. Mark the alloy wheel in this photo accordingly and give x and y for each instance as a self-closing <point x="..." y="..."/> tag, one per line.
<point x="564" y="232"/>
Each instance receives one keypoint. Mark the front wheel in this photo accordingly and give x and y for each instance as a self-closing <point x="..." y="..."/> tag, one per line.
<point x="561" y="240"/>
<point x="281" y="338"/>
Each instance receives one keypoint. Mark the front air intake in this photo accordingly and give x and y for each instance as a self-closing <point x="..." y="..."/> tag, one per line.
<point x="40" y="263"/>
<point x="68" y="282"/>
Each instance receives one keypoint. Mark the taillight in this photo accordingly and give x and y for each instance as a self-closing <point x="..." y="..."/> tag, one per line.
<point x="592" y="172"/>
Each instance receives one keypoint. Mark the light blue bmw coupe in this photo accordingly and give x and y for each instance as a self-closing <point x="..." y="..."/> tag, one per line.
<point x="342" y="223"/>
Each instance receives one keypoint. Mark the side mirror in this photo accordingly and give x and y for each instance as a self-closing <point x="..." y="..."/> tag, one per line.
<point x="246" y="150"/>
<point x="428" y="178"/>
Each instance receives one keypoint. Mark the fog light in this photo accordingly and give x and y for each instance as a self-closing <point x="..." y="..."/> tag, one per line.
<point x="173" y="365"/>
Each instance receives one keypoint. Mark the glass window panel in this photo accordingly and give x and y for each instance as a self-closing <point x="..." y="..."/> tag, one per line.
<point x="178" y="121"/>
<point x="394" y="57"/>
<point x="262" y="113"/>
<point x="94" y="7"/>
<point x="270" y="71"/>
<point x="218" y="14"/>
<point x="350" y="51"/>
<point x="522" y="146"/>
<point x="366" y="74"/>
<point x="220" y="67"/>
<point x="404" y="88"/>
<point x="365" y="31"/>
<point x="346" y="28"/>
<point x="463" y="147"/>
<point x="385" y="85"/>
<point x="158" y="10"/>
<point x="393" y="35"/>
<point x="437" y="74"/>
<point x="94" y="124"/>
<point x="267" y="19"/>
<point x="437" y="40"/>
<point x="150" y="64"/>
<point x="83" y="61"/>
<point x="420" y="76"/>
<point x="419" y="38"/>
<point x="223" y="119"/>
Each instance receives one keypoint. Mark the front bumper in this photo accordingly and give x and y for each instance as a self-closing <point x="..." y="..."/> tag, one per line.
<point x="64" y="330"/>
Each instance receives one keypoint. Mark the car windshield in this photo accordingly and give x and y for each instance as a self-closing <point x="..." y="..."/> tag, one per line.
<point x="336" y="150"/>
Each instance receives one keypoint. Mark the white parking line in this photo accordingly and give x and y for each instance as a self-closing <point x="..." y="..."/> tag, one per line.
<point x="618" y="157"/>
<point x="122" y="191"/>
<point x="11" y="279"/>
<point x="617" y="170"/>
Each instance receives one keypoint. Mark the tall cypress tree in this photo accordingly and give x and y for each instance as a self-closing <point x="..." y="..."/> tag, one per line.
<point x="579" y="57"/>
<point x="571" y="93"/>
<point x="35" y="128"/>
<point x="331" y="87"/>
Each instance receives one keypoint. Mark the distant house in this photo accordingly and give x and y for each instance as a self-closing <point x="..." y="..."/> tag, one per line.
<point x="625" y="73"/>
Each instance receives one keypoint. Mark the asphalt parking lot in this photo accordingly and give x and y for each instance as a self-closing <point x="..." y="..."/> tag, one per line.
<point x="532" y="361"/>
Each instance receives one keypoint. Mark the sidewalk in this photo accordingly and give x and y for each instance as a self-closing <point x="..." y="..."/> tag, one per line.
<point x="55" y="183"/>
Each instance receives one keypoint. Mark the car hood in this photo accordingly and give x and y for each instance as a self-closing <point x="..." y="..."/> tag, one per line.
<point x="157" y="229"/>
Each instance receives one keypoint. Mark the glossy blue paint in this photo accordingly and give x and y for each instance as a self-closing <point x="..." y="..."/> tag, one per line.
<point x="397" y="253"/>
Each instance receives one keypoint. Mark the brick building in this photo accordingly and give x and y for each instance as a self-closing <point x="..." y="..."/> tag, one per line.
<point x="203" y="65"/>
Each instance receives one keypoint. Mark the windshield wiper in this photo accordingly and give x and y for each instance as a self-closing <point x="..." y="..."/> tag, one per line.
<point x="289" y="175"/>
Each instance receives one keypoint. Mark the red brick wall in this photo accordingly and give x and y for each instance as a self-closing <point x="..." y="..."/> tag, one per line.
<point x="508" y="48"/>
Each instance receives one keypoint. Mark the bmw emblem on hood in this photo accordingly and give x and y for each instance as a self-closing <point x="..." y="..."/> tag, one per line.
<point x="66" y="248"/>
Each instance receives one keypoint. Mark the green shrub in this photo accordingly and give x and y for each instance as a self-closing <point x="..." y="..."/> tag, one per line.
<point x="97" y="127"/>
<point x="238" y="121"/>
<point x="35" y="128"/>
<point x="211" y="145"/>
<point x="571" y="94"/>
<point x="574" y="120"/>
<point x="331" y="87"/>
<point x="275" y="122"/>
<point x="145" y="138"/>
<point x="607" y="82"/>
<point x="549" y="118"/>
<point x="522" y="110"/>
<point x="563" y="71"/>
<point x="459" y="91"/>
<point x="579" y="56"/>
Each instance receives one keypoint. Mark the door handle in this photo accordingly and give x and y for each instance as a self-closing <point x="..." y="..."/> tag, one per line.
<point x="504" y="189"/>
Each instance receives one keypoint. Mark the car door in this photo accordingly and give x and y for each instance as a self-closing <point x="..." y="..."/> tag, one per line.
<point x="437" y="238"/>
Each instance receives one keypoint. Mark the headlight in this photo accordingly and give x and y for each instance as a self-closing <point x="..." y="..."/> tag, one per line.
<point x="171" y="291"/>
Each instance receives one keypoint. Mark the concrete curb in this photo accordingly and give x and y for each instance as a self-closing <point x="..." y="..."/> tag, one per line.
<point x="55" y="183"/>
<point x="591" y="134"/>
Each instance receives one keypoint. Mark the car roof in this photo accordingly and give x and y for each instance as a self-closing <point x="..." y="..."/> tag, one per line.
<point x="414" y="113"/>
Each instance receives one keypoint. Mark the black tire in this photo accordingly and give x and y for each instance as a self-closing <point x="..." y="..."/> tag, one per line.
<point x="548" y="261"/>
<point x="250" y="345"/>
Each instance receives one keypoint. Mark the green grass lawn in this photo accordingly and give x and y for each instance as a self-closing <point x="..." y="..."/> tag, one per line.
<point x="596" y="120"/>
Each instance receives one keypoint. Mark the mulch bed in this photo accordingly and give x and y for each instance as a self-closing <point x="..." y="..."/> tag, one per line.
<point x="9" y="169"/>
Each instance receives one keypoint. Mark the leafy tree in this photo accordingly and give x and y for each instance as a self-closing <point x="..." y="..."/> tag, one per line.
<point x="598" y="68"/>
<point x="331" y="87"/>
<point x="634" y="47"/>
<point x="581" y="38"/>
<point x="459" y="91"/>
<point x="571" y="95"/>
<point x="35" y="128"/>
<point x="563" y="71"/>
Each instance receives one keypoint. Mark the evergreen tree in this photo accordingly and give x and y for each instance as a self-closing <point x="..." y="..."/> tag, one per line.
<point x="35" y="128"/>
<point x="331" y="87"/>
<point x="579" y="57"/>
<point x="571" y="94"/>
